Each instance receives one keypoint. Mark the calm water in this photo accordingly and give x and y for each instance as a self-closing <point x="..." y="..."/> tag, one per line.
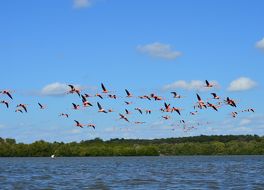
<point x="194" y="172"/>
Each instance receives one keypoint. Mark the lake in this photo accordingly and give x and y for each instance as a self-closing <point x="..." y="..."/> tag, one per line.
<point x="172" y="172"/>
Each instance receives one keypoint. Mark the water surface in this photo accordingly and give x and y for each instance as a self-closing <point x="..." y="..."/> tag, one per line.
<point x="183" y="172"/>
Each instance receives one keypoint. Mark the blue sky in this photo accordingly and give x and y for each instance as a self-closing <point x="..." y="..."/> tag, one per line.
<point x="139" y="45"/>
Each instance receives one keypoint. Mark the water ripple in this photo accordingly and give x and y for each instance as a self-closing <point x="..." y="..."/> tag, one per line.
<point x="183" y="172"/>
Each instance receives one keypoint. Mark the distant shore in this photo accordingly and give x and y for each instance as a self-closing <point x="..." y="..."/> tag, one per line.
<point x="197" y="145"/>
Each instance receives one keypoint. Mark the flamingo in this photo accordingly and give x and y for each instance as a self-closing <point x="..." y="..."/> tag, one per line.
<point x="194" y="113"/>
<point x="175" y="95"/>
<point x="78" y="124"/>
<point x="74" y="90"/>
<point x="123" y="117"/>
<point x="91" y="125"/>
<point x="129" y="95"/>
<point x="104" y="89"/>
<point x="41" y="106"/>
<point x="98" y="95"/>
<point x="177" y="110"/>
<point x="148" y="111"/>
<point x="145" y="97"/>
<point x="85" y="102"/>
<point x="64" y="114"/>
<point x="112" y="96"/>
<point x="200" y="102"/>
<point x="166" y="117"/>
<point x="100" y="108"/>
<point x="24" y="106"/>
<point x="7" y="92"/>
<point x="215" y="96"/>
<point x="19" y="110"/>
<point x="249" y="110"/>
<point x="127" y="112"/>
<point x="110" y="110"/>
<point x="87" y="96"/>
<point x="156" y="97"/>
<point x="167" y="107"/>
<point x="207" y="84"/>
<point x="212" y="106"/>
<point x="139" y="122"/>
<point x="140" y="111"/>
<point x="234" y="114"/>
<point x="128" y="103"/>
<point x="182" y="121"/>
<point x="75" y="106"/>
<point x="230" y="102"/>
<point x="5" y="102"/>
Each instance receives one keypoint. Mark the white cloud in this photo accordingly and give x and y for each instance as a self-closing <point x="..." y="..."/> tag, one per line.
<point x="192" y="85"/>
<point x="55" y="89"/>
<point x="241" y="84"/>
<point x="78" y="4"/>
<point x="75" y="131"/>
<point x="245" y="122"/>
<point x="159" y="50"/>
<point x="260" y="44"/>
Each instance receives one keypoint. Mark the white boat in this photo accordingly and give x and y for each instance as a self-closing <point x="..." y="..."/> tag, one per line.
<point x="52" y="156"/>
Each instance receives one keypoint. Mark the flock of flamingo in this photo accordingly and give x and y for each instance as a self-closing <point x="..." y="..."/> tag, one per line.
<point x="167" y="110"/>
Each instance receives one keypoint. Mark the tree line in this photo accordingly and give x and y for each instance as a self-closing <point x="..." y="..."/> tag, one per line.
<point x="197" y="145"/>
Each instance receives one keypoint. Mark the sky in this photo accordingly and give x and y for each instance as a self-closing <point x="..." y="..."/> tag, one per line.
<point x="146" y="47"/>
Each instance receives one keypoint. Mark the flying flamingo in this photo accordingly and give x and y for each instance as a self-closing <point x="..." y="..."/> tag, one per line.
<point x="100" y="108"/>
<point x="24" y="106"/>
<point x="41" y="106"/>
<point x="194" y="113"/>
<point x="19" y="110"/>
<point x="5" y="102"/>
<point x="215" y="96"/>
<point x="200" y="102"/>
<point x="234" y="114"/>
<point x="156" y="97"/>
<point x="123" y="117"/>
<point x="177" y="110"/>
<point x="85" y="102"/>
<point x="91" y="125"/>
<point x="138" y="109"/>
<point x="230" y="102"/>
<point x="7" y="92"/>
<point x="175" y="95"/>
<point x="104" y="89"/>
<point x="112" y="96"/>
<point x="166" y="117"/>
<point x="74" y="90"/>
<point x="128" y="103"/>
<point x="129" y="95"/>
<point x="208" y="85"/>
<point x="139" y="122"/>
<point x="167" y="107"/>
<point x="212" y="106"/>
<point x="127" y="112"/>
<point x="110" y="110"/>
<point x="64" y="114"/>
<point x="98" y="95"/>
<point x="75" y="106"/>
<point x="78" y="124"/>
<point x="148" y="111"/>
<point x="250" y="110"/>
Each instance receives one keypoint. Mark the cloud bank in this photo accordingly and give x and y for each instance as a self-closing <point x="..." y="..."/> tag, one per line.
<point x="192" y="85"/>
<point x="159" y="50"/>
<point x="242" y="84"/>
<point x="79" y="4"/>
<point x="54" y="89"/>
<point x="260" y="44"/>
